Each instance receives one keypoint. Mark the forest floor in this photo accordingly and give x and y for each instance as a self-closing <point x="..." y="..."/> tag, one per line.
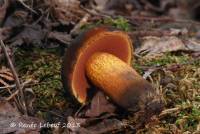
<point x="37" y="42"/>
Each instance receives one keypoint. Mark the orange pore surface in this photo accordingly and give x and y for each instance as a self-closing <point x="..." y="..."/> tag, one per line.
<point x="116" y="43"/>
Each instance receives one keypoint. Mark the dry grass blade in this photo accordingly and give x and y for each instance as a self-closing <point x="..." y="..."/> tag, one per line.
<point x="12" y="95"/>
<point x="18" y="85"/>
<point x="7" y="77"/>
<point x="3" y="82"/>
<point x="6" y="71"/>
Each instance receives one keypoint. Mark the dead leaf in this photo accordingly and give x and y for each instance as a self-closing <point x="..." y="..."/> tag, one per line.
<point x="174" y="67"/>
<point x="73" y="13"/>
<point x="151" y="45"/>
<point x="105" y="126"/>
<point x="196" y="55"/>
<point x="116" y="6"/>
<point x="3" y="9"/>
<point x="3" y="75"/>
<point x="6" y="74"/>
<point x="101" y="4"/>
<point x="6" y="71"/>
<point x="154" y="45"/>
<point x="16" y="19"/>
<point x="5" y="32"/>
<point x="12" y="121"/>
<point x="61" y="37"/>
<point x="5" y="79"/>
<point x="33" y="34"/>
<point x="2" y="55"/>
<point x="193" y="45"/>
<point x="95" y="125"/>
<point x="100" y="105"/>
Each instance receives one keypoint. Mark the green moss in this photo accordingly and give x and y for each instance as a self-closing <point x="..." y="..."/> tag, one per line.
<point x="119" y="23"/>
<point x="178" y="87"/>
<point x="137" y="67"/>
<point x="189" y="118"/>
<point x="168" y="59"/>
<point x="43" y="67"/>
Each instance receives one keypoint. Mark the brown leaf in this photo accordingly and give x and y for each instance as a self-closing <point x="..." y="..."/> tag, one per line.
<point x="105" y="126"/>
<point x="151" y="45"/>
<point x="73" y="13"/>
<point x="5" y="32"/>
<point x="2" y="82"/>
<point x="16" y="19"/>
<point x="193" y="45"/>
<point x="6" y="71"/>
<point x="155" y="45"/>
<point x="61" y="37"/>
<point x="101" y="4"/>
<point x="6" y="77"/>
<point x="196" y="55"/>
<point x="3" y="9"/>
<point x="174" y="67"/>
<point x="11" y="121"/>
<point x="95" y="125"/>
<point x="100" y="105"/>
<point x="33" y="34"/>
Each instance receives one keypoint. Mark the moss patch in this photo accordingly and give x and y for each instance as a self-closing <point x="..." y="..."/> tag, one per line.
<point x="180" y="89"/>
<point x="43" y="67"/>
<point x="119" y="23"/>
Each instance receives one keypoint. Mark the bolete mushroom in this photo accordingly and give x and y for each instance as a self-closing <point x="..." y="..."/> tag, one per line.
<point x="100" y="39"/>
<point x="103" y="56"/>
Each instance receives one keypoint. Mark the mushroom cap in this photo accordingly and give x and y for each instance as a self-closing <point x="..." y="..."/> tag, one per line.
<point x="99" y="39"/>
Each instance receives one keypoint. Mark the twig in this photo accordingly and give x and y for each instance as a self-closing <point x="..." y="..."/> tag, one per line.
<point x="94" y="12"/>
<point x="21" y="1"/>
<point x="173" y="110"/>
<point x="12" y="95"/>
<point x="18" y="85"/>
<point x="15" y="93"/>
<point x="14" y="85"/>
<point x="15" y="99"/>
<point x="80" y="23"/>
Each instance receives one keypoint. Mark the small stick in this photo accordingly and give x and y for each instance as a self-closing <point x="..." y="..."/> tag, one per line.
<point x="18" y="85"/>
<point x="15" y="99"/>
<point x="12" y="95"/>
<point x="16" y="92"/>
<point x="14" y="85"/>
<point x="80" y="23"/>
<point x="26" y="6"/>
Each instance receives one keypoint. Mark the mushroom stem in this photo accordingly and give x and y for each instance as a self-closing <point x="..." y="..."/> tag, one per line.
<point x="119" y="81"/>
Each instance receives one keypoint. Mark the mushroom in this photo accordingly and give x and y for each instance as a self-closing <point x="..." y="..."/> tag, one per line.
<point x="82" y="48"/>
<point x="103" y="56"/>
